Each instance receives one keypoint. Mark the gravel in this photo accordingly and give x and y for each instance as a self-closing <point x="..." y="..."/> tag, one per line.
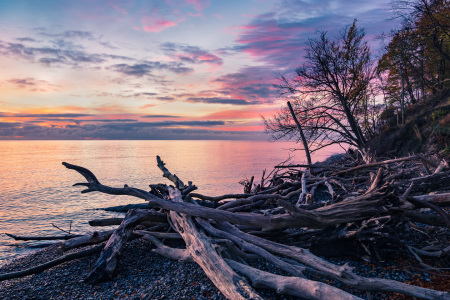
<point x="140" y="274"/>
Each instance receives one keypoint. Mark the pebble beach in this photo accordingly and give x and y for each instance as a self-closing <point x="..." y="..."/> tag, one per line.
<point x="142" y="274"/>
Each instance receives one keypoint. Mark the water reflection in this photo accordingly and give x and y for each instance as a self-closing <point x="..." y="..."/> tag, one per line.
<point x="37" y="190"/>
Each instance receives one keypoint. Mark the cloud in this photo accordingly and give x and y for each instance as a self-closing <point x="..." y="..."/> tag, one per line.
<point x="129" y="126"/>
<point x="66" y="115"/>
<point x="252" y="83"/>
<point x="26" y="39"/>
<point x="23" y="82"/>
<point x="52" y="55"/>
<point x="219" y="100"/>
<point x="106" y="131"/>
<point x="191" y="54"/>
<point x="6" y="125"/>
<point x="146" y="94"/>
<point x="198" y="5"/>
<point x="160" y="116"/>
<point x="33" y="84"/>
<point x="165" y="98"/>
<point x="279" y="37"/>
<point x="59" y="49"/>
<point x="234" y="114"/>
<point x="150" y="24"/>
<point x="146" y="68"/>
<point x="79" y="121"/>
<point x="69" y="34"/>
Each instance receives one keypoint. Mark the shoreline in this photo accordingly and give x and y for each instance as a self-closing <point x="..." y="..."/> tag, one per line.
<point x="143" y="274"/>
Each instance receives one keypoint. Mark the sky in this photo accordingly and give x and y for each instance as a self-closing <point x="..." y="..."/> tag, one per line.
<point x="158" y="69"/>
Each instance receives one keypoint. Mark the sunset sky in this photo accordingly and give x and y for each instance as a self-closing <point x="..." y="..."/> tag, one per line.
<point x="173" y="69"/>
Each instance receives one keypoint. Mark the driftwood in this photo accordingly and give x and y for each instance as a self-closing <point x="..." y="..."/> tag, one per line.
<point x="305" y="143"/>
<point x="204" y="254"/>
<point x="52" y="263"/>
<point x="225" y="233"/>
<point x="41" y="238"/>
<point x="107" y="262"/>
<point x="94" y="238"/>
<point x="294" y="286"/>
<point x="106" y="222"/>
<point x="125" y="208"/>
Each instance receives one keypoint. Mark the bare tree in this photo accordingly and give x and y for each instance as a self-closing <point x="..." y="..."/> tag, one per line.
<point x="327" y="92"/>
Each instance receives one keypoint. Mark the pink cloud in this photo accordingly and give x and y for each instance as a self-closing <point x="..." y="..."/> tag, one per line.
<point x="121" y="10"/>
<point x="147" y="106"/>
<point x="157" y="25"/>
<point x="198" y="5"/>
<point x="250" y="83"/>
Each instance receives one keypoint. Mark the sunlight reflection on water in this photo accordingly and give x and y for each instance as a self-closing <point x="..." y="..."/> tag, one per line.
<point x="37" y="190"/>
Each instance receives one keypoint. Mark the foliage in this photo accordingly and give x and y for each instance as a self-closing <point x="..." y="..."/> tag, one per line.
<point x="330" y="92"/>
<point x="417" y="59"/>
<point x="338" y="97"/>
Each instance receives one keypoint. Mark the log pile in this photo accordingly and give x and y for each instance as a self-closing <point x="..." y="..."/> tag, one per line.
<point x="297" y="211"/>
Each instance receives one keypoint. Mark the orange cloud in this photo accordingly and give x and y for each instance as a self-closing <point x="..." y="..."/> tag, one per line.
<point x="232" y="114"/>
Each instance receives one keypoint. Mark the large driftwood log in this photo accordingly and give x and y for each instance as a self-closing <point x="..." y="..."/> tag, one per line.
<point x="203" y="253"/>
<point x="125" y="208"/>
<point x="105" y="222"/>
<point x="107" y="262"/>
<point x="172" y="177"/>
<point x="374" y="200"/>
<point x="94" y="238"/>
<point x="41" y="238"/>
<point x="343" y="274"/>
<point x="292" y="269"/>
<point x="295" y="286"/>
<point x="181" y="255"/>
<point x="320" y="218"/>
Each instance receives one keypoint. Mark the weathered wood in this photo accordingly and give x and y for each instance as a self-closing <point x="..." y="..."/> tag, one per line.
<point x="107" y="262"/>
<point x="159" y="235"/>
<point x="40" y="268"/>
<point x="428" y="219"/>
<point x="358" y="205"/>
<point x="94" y="238"/>
<point x="343" y="274"/>
<point x="376" y="164"/>
<point x="320" y="218"/>
<point x="203" y="253"/>
<point x="105" y="222"/>
<point x="172" y="177"/>
<point x="445" y="216"/>
<point x="219" y="198"/>
<point x="426" y="184"/>
<point x="125" y="208"/>
<point x="181" y="255"/>
<point x="305" y="144"/>
<point x="294" y="286"/>
<point x="311" y="166"/>
<point x="292" y="269"/>
<point x="41" y="238"/>
<point x="436" y="199"/>
<point x="303" y="193"/>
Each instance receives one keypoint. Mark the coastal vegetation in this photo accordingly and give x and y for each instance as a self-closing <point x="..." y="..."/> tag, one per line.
<point x="340" y="95"/>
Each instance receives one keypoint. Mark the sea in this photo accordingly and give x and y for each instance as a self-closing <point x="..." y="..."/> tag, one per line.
<point x="37" y="196"/>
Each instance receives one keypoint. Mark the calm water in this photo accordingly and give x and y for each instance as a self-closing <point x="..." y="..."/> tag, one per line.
<point x="36" y="189"/>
